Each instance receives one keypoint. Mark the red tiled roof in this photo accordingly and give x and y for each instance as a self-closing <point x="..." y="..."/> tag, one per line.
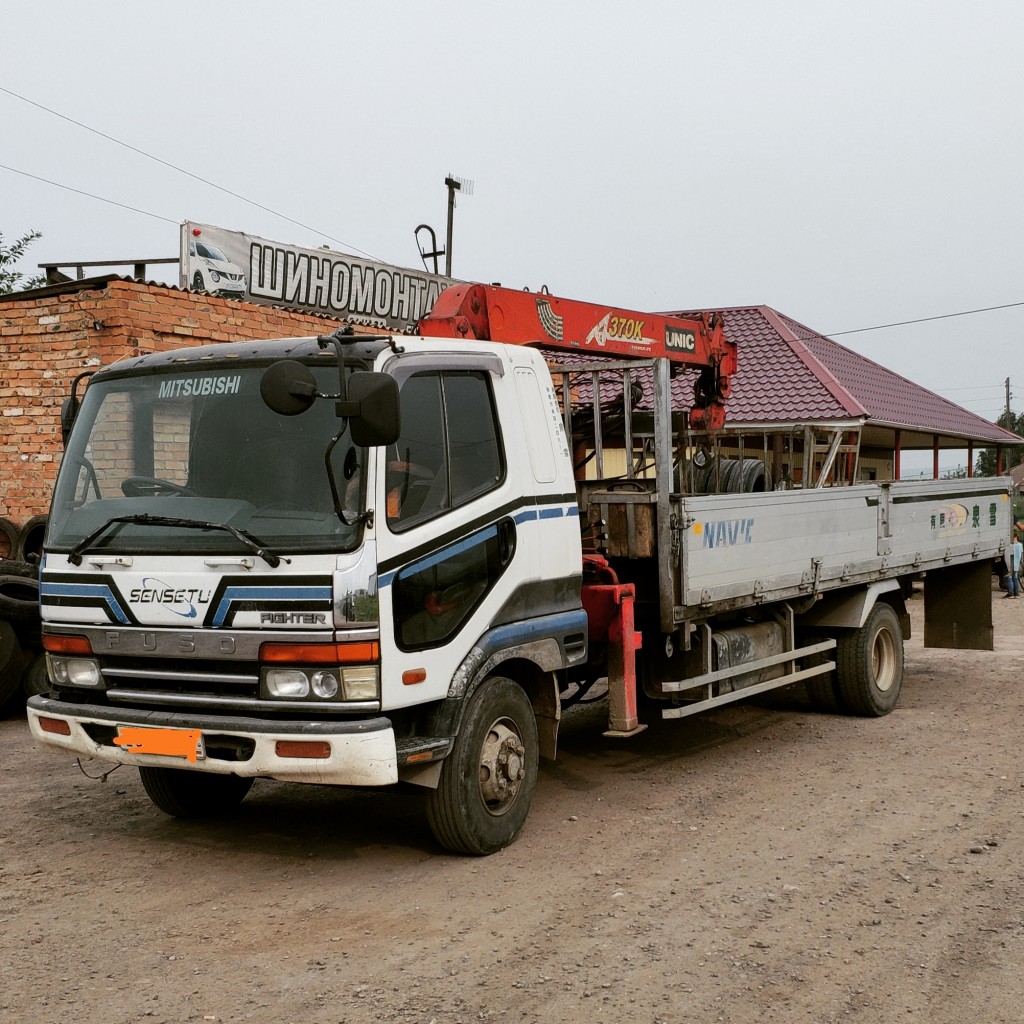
<point x="790" y="373"/>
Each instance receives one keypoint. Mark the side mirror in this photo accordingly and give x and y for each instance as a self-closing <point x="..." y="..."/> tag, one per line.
<point x="288" y="387"/>
<point x="379" y="419"/>
<point x="70" y="406"/>
<point x="68" y="412"/>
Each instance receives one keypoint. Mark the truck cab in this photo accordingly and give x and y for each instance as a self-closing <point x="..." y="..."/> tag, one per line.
<point x="234" y="586"/>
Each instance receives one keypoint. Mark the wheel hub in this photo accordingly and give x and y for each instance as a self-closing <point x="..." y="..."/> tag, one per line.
<point x="502" y="766"/>
<point x="883" y="661"/>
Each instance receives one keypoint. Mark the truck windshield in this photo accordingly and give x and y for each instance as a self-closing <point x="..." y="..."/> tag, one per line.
<point x="199" y="444"/>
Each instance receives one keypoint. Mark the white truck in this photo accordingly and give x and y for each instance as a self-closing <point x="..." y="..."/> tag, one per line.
<point x="362" y="560"/>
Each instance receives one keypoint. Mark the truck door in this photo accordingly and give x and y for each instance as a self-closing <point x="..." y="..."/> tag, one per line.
<point x="446" y="528"/>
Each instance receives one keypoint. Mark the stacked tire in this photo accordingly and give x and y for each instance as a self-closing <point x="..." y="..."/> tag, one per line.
<point x="10" y="540"/>
<point x="733" y="477"/>
<point x="22" y="663"/>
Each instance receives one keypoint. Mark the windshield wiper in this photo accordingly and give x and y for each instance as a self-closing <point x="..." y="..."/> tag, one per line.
<point x="252" y="543"/>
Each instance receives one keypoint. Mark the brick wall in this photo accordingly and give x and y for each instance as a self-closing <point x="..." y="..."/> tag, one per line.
<point x="46" y="341"/>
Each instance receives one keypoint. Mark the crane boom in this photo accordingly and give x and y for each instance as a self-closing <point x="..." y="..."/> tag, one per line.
<point x="493" y="313"/>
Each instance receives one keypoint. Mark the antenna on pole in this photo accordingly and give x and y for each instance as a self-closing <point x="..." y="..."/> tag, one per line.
<point x="465" y="186"/>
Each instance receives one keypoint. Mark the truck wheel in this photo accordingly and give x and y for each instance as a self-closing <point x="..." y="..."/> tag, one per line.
<point x="487" y="781"/>
<point x="822" y="691"/>
<point x="869" y="664"/>
<point x="186" y="794"/>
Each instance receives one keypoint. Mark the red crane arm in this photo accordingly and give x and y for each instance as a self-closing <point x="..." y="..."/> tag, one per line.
<point x="492" y="313"/>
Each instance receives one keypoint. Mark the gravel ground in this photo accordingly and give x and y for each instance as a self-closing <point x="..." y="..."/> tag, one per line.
<point x="759" y="863"/>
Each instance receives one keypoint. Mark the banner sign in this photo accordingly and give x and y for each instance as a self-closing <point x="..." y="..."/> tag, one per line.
<point x="236" y="265"/>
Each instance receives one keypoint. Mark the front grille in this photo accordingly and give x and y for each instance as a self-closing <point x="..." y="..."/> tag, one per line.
<point x="232" y="687"/>
<point x="169" y="681"/>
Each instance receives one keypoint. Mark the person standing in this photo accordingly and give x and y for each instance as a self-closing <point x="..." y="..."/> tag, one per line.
<point x="1013" y="579"/>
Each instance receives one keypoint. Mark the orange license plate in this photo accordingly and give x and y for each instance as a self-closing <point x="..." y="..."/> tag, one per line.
<point x="185" y="743"/>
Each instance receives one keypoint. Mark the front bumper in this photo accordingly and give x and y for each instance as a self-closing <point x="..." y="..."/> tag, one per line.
<point x="229" y="290"/>
<point x="362" y="753"/>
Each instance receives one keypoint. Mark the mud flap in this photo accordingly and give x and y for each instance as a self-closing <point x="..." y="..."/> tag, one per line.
<point x="958" y="607"/>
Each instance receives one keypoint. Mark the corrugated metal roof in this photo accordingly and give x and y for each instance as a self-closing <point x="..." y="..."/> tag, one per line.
<point x="788" y="372"/>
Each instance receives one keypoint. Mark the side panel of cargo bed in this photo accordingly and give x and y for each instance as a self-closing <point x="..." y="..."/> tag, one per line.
<point x="738" y="549"/>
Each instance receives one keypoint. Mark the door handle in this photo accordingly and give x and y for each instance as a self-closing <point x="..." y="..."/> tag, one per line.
<point x="506" y="541"/>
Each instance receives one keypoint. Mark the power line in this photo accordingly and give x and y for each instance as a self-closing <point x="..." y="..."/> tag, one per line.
<point x="974" y="387"/>
<point x="925" y="319"/>
<point x="113" y="202"/>
<point x="173" y="167"/>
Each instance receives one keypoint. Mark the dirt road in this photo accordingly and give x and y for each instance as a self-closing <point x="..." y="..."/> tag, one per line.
<point x="762" y="863"/>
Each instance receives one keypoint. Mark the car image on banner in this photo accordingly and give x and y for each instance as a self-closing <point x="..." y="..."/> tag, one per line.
<point x="209" y="270"/>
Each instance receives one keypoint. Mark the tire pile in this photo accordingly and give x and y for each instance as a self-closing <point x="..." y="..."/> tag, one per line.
<point x="22" y="663"/>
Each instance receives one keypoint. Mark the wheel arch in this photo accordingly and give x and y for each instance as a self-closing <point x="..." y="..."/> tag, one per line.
<point x="849" y="608"/>
<point x="529" y="653"/>
<point x="535" y="676"/>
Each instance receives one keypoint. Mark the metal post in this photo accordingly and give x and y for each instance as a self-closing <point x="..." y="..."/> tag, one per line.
<point x="623" y="643"/>
<point x="663" y="486"/>
<point x="454" y="185"/>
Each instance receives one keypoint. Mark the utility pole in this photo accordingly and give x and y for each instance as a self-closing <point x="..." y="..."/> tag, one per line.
<point x="1007" y="403"/>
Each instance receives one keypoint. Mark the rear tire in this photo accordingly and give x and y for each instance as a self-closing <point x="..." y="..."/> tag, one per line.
<point x="869" y="664"/>
<point x="487" y="781"/>
<point x="823" y="690"/>
<point x="823" y="693"/>
<point x="185" y="794"/>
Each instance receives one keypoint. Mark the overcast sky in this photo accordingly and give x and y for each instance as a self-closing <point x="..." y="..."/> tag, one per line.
<point x="849" y="164"/>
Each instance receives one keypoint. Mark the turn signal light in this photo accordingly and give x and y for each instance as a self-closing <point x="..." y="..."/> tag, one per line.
<point x="302" y="748"/>
<point x="55" y="725"/>
<point x="320" y="654"/>
<point x="59" y="643"/>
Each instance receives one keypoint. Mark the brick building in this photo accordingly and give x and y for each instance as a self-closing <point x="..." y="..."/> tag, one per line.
<point x="50" y="335"/>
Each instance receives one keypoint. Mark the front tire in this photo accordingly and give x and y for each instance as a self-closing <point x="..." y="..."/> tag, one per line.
<point x="869" y="664"/>
<point x="487" y="782"/>
<point x="185" y="794"/>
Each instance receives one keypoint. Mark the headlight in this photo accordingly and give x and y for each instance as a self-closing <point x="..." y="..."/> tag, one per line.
<point x="325" y="684"/>
<point x="338" y="672"/>
<point x="360" y="682"/>
<point x="73" y="671"/>
<point x="332" y="683"/>
<point x="288" y="683"/>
